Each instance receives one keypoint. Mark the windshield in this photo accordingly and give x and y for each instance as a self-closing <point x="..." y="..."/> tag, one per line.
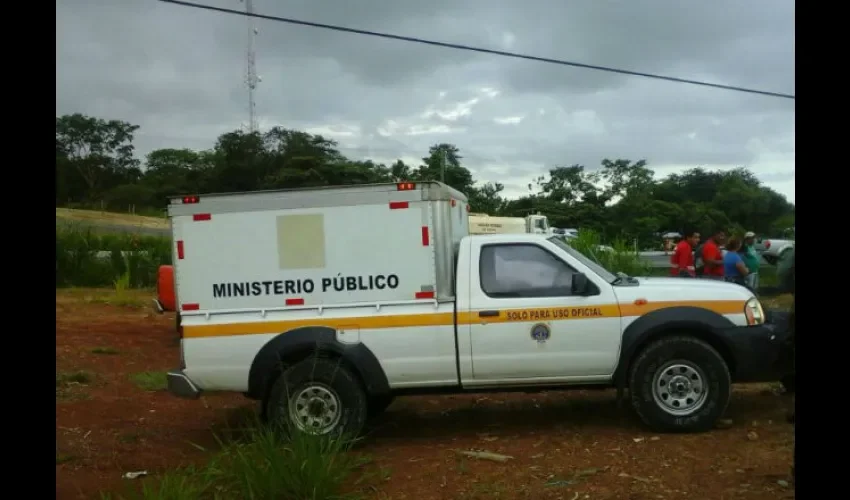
<point x="596" y="268"/>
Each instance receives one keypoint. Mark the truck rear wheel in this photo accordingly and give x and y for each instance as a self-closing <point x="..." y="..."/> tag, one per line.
<point x="680" y="384"/>
<point x="318" y="396"/>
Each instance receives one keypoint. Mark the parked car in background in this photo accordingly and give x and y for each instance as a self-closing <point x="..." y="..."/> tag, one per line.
<point x="772" y="249"/>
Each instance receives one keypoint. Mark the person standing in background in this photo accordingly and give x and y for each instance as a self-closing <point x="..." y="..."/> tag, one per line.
<point x="712" y="256"/>
<point x="751" y="259"/>
<point x="682" y="260"/>
<point x="734" y="268"/>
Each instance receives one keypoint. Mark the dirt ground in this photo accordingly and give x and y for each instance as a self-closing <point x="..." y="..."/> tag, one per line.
<point x="565" y="445"/>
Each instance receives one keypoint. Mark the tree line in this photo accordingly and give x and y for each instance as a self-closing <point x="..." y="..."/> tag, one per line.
<point x="96" y="166"/>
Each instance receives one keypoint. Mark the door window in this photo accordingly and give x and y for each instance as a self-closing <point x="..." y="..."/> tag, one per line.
<point x="512" y="271"/>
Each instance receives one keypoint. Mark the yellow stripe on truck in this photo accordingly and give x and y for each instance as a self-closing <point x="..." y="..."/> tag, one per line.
<point x="363" y="322"/>
<point x="718" y="306"/>
<point x="544" y="314"/>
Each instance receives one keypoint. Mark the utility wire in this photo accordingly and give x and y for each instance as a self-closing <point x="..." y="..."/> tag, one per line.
<point x="481" y="50"/>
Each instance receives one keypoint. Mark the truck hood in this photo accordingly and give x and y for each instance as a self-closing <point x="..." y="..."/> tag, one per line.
<point x="681" y="289"/>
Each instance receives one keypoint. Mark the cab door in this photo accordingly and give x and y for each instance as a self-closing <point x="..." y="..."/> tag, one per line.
<point x="526" y="326"/>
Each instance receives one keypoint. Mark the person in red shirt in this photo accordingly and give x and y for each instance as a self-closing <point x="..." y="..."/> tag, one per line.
<point x="682" y="260"/>
<point x="712" y="255"/>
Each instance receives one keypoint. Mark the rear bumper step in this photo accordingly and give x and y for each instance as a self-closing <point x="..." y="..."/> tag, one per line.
<point x="180" y="385"/>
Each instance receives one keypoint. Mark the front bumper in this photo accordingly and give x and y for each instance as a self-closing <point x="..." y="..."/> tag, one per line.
<point x="180" y="385"/>
<point x="761" y="353"/>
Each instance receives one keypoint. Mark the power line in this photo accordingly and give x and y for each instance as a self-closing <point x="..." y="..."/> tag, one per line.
<point x="483" y="50"/>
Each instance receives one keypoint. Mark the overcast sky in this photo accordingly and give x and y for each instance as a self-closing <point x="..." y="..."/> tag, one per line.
<point x="178" y="72"/>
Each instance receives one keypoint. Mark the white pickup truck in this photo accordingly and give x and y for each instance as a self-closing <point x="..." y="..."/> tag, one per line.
<point x="325" y="304"/>
<point x="773" y="249"/>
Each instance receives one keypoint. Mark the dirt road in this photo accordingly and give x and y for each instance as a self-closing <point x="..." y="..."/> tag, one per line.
<point x="111" y="419"/>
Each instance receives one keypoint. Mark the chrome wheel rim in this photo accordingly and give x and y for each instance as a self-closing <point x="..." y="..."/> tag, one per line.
<point x="315" y="409"/>
<point x="680" y="388"/>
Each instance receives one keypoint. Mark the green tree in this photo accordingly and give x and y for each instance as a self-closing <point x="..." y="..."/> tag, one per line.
<point x="99" y="153"/>
<point x="401" y="172"/>
<point x="486" y="198"/>
<point x="621" y="200"/>
<point x="443" y="162"/>
<point x="626" y="178"/>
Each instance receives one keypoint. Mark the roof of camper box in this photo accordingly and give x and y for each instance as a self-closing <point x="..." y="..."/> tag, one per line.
<point x="319" y="197"/>
<point x="432" y="191"/>
<point x="439" y="189"/>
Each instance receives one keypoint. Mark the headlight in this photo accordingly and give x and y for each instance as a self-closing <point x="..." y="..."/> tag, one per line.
<point x="754" y="312"/>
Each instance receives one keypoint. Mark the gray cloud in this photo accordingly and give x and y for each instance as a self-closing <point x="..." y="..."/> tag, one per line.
<point x="178" y="73"/>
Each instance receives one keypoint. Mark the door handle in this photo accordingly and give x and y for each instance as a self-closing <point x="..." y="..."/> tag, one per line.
<point x="488" y="314"/>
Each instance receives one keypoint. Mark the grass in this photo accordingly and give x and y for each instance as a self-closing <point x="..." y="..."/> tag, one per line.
<point x="149" y="381"/>
<point x="64" y="379"/>
<point x="781" y="302"/>
<point x="270" y="465"/>
<point x="69" y="383"/>
<point x="104" y="350"/>
<point x="96" y="216"/>
<point x="263" y="463"/>
<point x="133" y="298"/>
<point x="130" y="438"/>
<point x="619" y="258"/>
<point x="85" y="258"/>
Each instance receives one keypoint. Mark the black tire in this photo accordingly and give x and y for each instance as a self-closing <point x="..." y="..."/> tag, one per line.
<point x="328" y="384"/>
<point x="378" y="404"/>
<point x="770" y="260"/>
<point x="698" y="359"/>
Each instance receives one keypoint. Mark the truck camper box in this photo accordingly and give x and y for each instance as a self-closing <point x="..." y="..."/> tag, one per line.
<point x="363" y="244"/>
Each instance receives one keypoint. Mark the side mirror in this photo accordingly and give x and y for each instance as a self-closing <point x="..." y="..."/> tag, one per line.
<point x="580" y="284"/>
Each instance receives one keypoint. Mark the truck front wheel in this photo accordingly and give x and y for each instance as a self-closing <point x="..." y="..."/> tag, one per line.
<point x="680" y="384"/>
<point x="318" y="396"/>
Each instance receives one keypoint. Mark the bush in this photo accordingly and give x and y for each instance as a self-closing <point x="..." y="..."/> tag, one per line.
<point x="127" y="257"/>
<point x="276" y="464"/>
<point x="617" y="258"/>
<point x="264" y="463"/>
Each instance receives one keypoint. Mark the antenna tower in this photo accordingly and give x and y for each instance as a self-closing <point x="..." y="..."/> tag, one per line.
<point x="251" y="77"/>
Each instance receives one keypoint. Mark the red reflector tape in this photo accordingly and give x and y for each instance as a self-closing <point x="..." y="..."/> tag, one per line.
<point x="202" y="217"/>
<point x="424" y="295"/>
<point x="191" y="307"/>
<point x="426" y="238"/>
<point x="179" y="249"/>
<point x="396" y="205"/>
<point x="295" y="302"/>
